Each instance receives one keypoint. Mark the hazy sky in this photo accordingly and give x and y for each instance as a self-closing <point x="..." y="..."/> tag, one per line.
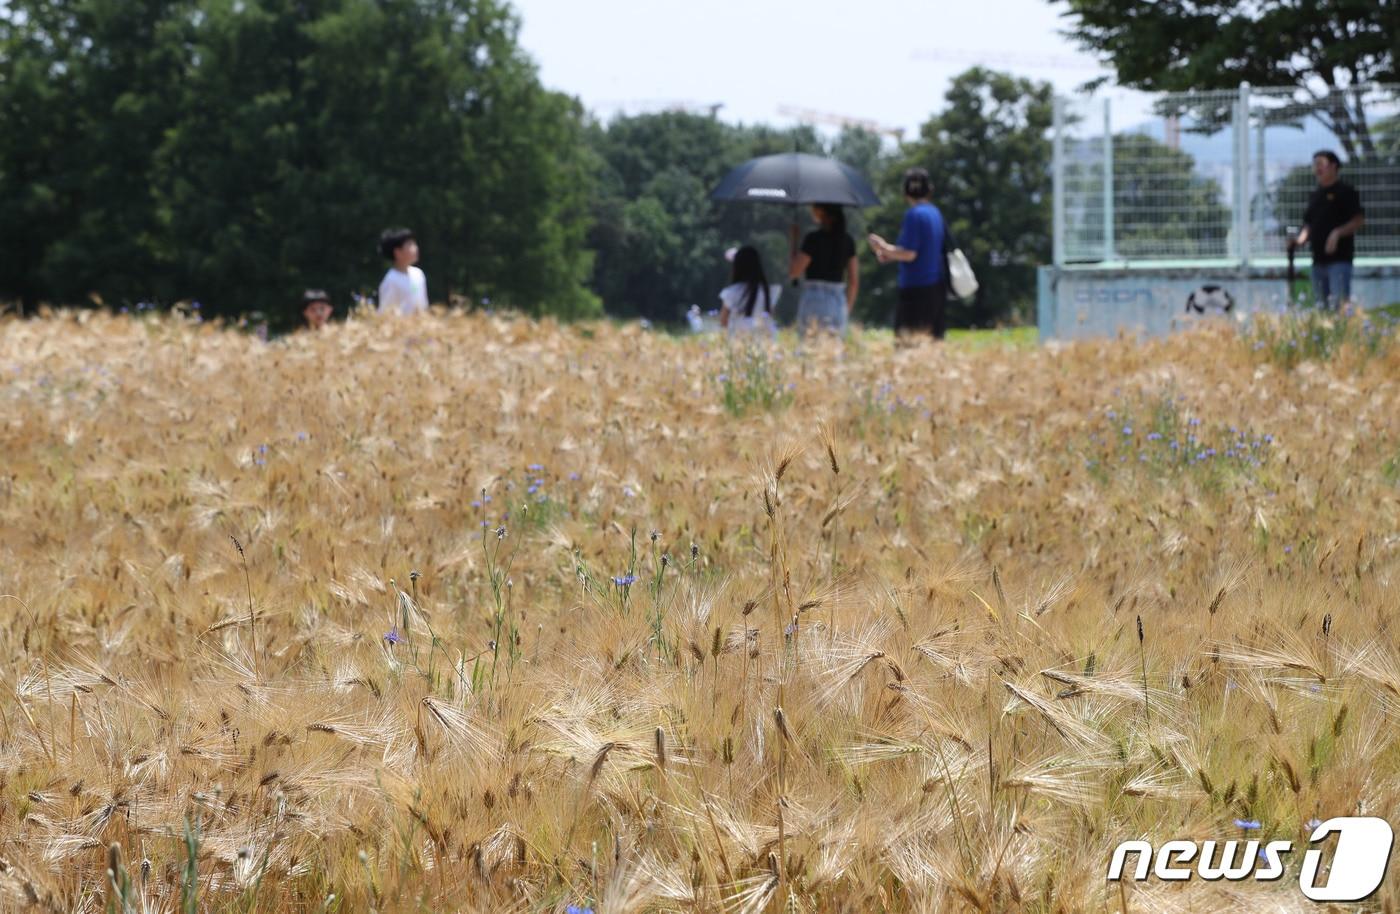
<point x="887" y="61"/>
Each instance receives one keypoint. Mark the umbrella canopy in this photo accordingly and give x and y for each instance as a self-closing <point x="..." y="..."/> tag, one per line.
<point x="795" y="178"/>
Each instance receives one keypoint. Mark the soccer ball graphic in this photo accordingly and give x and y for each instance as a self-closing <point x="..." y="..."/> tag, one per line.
<point x="1209" y="298"/>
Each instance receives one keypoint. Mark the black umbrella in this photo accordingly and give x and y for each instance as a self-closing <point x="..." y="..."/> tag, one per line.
<point x="795" y="178"/>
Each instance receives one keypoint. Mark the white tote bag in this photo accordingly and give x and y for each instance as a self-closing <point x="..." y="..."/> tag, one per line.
<point x="960" y="276"/>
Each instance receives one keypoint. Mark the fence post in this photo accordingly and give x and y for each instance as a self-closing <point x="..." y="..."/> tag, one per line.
<point x="1058" y="166"/>
<point x="1242" y="215"/>
<point x="1108" y="240"/>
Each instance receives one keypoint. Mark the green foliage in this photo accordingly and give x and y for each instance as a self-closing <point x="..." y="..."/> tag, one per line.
<point x="1148" y="173"/>
<point x="658" y="240"/>
<point x="989" y="155"/>
<point x="752" y="379"/>
<point x="1391" y="469"/>
<point x="1310" y="334"/>
<point x="237" y="151"/>
<point x="1372" y="175"/>
<point x="1160" y="438"/>
<point x="1183" y="45"/>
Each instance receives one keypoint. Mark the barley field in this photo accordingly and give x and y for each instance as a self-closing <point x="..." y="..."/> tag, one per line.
<point x="469" y="613"/>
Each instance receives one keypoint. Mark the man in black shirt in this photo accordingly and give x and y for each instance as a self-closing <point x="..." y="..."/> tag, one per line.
<point x="1333" y="216"/>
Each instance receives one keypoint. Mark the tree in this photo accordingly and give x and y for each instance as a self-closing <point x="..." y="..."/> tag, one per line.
<point x="989" y="154"/>
<point x="657" y="238"/>
<point x="87" y="89"/>
<point x="1320" y="48"/>
<point x="310" y="126"/>
<point x="236" y="151"/>
<point x="1162" y="206"/>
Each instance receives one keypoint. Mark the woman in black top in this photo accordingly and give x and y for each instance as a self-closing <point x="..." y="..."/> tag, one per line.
<point x="826" y="256"/>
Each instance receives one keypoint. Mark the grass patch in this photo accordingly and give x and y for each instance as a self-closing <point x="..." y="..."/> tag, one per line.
<point x="1307" y="334"/>
<point x="753" y="378"/>
<point x="1163" y="438"/>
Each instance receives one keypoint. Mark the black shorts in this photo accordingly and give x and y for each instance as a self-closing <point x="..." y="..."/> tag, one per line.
<point x="920" y="309"/>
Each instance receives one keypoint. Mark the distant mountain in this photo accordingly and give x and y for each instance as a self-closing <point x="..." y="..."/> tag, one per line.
<point x="1284" y="146"/>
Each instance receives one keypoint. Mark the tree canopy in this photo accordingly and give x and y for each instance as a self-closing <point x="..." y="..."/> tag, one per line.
<point x="235" y="151"/>
<point x="1317" y="47"/>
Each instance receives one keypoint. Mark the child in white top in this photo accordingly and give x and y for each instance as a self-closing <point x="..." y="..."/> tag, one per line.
<point x="404" y="289"/>
<point x="747" y="303"/>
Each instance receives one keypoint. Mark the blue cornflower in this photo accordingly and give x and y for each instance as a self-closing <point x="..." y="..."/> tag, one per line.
<point x="574" y="477"/>
<point x="302" y="436"/>
<point x="1248" y="824"/>
<point x="1174" y="445"/>
<point x="535" y="467"/>
<point x="626" y="580"/>
<point x="1127" y="429"/>
<point x="476" y="504"/>
<point x="1154" y="436"/>
<point x="1313" y="823"/>
<point x="722" y="378"/>
<point x="1268" y="439"/>
<point x="627" y="491"/>
<point x="1287" y="550"/>
<point x="532" y="490"/>
<point x="1193" y="421"/>
<point x="262" y="449"/>
<point x="577" y="909"/>
<point x="392" y="636"/>
<point x="539" y="482"/>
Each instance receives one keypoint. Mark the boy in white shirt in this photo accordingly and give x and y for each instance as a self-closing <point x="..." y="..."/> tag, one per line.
<point x="404" y="289"/>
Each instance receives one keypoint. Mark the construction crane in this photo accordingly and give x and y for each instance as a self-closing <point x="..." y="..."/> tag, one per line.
<point x="809" y="116"/>
<point x="1005" y="59"/>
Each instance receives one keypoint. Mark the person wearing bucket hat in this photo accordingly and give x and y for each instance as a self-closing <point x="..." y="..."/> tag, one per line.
<point x="316" y="308"/>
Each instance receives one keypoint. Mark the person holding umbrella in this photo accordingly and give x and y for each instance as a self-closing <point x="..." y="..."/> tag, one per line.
<point x="796" y="179"/>
<point x="923" y="279"/>
<point x="824" y="257"/>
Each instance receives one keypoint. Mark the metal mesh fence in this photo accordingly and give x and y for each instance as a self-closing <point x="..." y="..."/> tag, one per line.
<point x="1219" y="176"/>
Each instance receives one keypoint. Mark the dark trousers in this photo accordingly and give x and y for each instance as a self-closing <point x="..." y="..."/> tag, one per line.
<point x="920" y="309"/>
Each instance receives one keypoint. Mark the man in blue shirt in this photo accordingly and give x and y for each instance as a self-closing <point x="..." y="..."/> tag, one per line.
<point x="923" y="274"/>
